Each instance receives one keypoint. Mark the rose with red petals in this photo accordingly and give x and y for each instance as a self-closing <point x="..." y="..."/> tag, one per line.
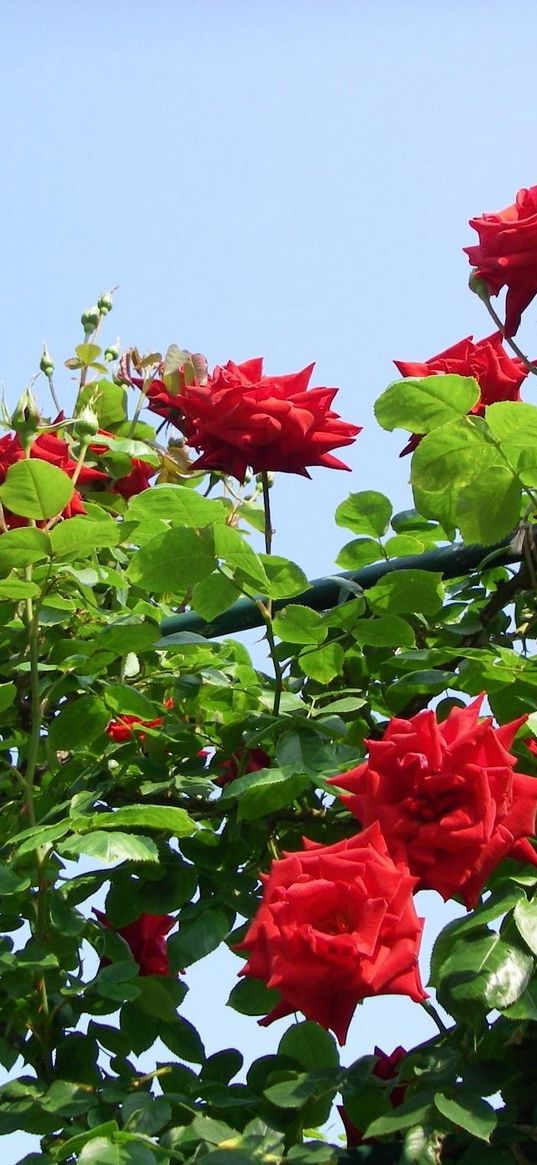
<point x="336" y="924"/>
<point x="146" y="938"/>
<point x="498" y="375"/>
<point x="506" y="255"/>
<point x="446" y="798"/>
<point x="241" y="418"/>
<point x="123" y="727"/>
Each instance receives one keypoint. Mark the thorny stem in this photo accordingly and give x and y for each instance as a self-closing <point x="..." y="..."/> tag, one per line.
<point x="266" y="608"/>
<point x="508" y="340"/>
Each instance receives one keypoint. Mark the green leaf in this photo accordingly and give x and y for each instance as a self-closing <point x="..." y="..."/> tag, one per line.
<point x="128" y="701"/>
<point x="404" y="592"/>
<point x="183" y="1040"/>
<point x="199" y="937"/>
<point x="214" y="594"/>
<point x="266" y="791"/>
<point x="7" y="696"/>
<point x="310" y="1045"/>
<point x="411" y="1112"/>
<point x="108" y="400"/>
<point x="367" y="512"/>
<point x="323" y="664"/>
<point x="79" y="536"/>
<point x="72" y="1146"/>
<point x="23" y="547"/>
<point x="423" y="404"/>
<point x="128" y="634"/>
<point x="468" y="1112"/>
<point x="359" y="552"/>
<point x="88" y="353"/>
<point x="112" y="847"/>
<point x="12" y="883"/>
<point x="173" y="561"/>
<point x="168" y="818"/>
<point x="385" y="631"/>
<point x="36" y="489"/>
<point x="155" y="998"/>
<point x="144" y="1113"/>
<point x="296" y="624"/>
<point x="525" y="917"/>
<point x="253" y="997"/>
<point x="514" y="425"/>
<point x="17" y="588"/>
<point x="79" y="723"/>
<point x="177" y="504"/>
<point x="453" y="456"/>
<point x="104" y="1151"/>
<point x="483" y="969"/>
<point x="488" y="509"/>
<point x="231" y="547"/>
<point x="285" y="578"/>
<point x="402" y="545"/>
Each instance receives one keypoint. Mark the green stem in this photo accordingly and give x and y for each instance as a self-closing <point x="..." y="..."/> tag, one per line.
<point x="31" y="620"/>
<point x="508" y="340"/>
<point x="266" y="608"/>
<point x="432" y="1012"/>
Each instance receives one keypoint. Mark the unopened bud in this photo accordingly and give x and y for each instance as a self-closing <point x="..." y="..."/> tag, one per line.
<point x="479" y="287"/>
<point x="112" y="352"/>
<point x="46" y="364"/>
<point x="25" y="419"/>
<point x="86" y="425"/>
<point x="105" y="303"/>
<point x="90" y="319"/>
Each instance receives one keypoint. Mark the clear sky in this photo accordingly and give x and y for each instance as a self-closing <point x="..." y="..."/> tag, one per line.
<point x="287" y="178"/>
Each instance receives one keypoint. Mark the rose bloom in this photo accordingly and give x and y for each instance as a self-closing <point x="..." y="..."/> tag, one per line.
<point x="506" y="255"/>
<point x="385" y="1068"/>
<point x="122" y="728"/>
<point x="244" y="760"/>
<point x="336" y="924"/>
<point x="446" y="798"/>
<point x="46" y="447"/>
<point x="240" y="418"/>
<point x="498" y="375"/>
<point x="146" y="938"/>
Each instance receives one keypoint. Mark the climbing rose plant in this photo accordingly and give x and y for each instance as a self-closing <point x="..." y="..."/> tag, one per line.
<point x="164" y="796"/>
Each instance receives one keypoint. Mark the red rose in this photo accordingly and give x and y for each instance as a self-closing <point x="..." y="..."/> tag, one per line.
<point x="241" y="418"/>
<point x="122" y="728"/>
<point x="498" y="375"/>
<point x="384" y="1068"/>
<point x="336" y="924"/>
<point x="506" y="255"/>
<point x="244" y="760"/>
<point x="146" y="938"/>
<point x="51" y="448"/>
<point x="446" y="798"/>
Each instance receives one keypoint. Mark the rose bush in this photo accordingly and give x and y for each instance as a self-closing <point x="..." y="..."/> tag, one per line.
<point x="157" y="782"/>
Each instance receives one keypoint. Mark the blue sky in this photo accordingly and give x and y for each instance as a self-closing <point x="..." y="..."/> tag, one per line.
<point x="283" y="179"/>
